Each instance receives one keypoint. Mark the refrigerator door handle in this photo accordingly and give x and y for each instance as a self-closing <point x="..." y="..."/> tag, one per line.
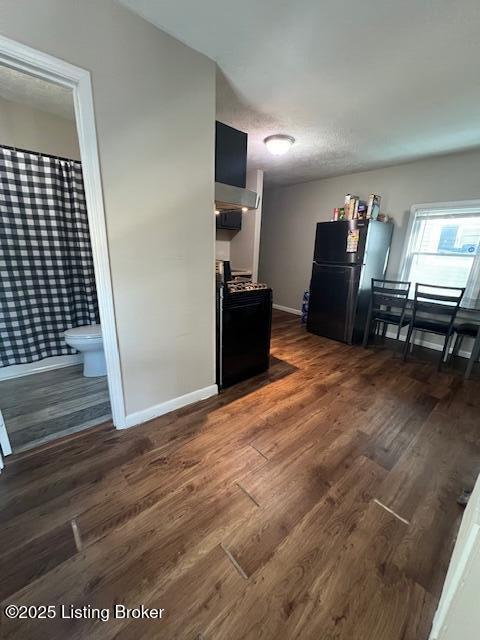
<point x="387" y="255"/>
<point x="351" y="309"/>
<point x="337" y="265"/>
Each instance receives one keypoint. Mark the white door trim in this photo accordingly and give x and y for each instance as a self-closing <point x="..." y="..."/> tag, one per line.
<point x="41" y="65"/>
<point x="5" y="446"/>
<point x="460" y="582"/>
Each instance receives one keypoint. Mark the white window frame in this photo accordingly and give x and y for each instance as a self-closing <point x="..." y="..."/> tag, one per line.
<point x="468" y="205"/>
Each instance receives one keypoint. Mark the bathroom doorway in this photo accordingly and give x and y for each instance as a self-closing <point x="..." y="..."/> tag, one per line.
<point x="55" y="272"/>
<point x="47" y="277"/>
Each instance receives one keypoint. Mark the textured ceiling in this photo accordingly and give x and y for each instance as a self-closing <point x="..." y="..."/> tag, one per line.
<point x="36" y="93"/>
<point x="359" y="84"/>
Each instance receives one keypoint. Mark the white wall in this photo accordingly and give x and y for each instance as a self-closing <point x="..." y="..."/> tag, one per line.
<point x="242" y="247"/>
<point x="291" y="213"/>
<point x="154" y="102"/>
<point x="245" y="245"/>
<point x="27" y="128"/>
<point x="223" y="239"/>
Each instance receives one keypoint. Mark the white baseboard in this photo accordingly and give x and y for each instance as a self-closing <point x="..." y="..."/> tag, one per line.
<point x="145" y="415"/>
<point x="55" y="362"/>
<point x="391" y="333"/>
<point x="280" y="307"/>
<point x="421" y="342"/>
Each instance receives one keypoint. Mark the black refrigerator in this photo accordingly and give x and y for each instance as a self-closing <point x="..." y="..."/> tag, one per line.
<point x="348" y="254"/>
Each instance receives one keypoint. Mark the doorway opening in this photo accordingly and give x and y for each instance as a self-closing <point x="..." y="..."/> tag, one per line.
<point x="59" y="362"/>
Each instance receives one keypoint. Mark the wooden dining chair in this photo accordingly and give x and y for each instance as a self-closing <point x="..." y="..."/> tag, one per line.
<point x="434" y="311"/>
<point x="388" y="300"/>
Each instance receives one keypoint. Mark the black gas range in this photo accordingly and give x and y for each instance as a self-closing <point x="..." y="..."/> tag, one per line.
<point x="239" y="286"/>
<point x="244" y="320"/>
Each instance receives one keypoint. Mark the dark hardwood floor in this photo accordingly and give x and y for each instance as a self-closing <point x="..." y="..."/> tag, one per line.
<point x="316" y="501"/>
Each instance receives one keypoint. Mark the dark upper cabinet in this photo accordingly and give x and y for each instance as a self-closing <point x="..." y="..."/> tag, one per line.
<point x="229" y="220"/>
<point x="230" y="155"/>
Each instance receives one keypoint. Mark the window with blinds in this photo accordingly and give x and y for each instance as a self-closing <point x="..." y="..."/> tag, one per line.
<point x="442" y="248"/>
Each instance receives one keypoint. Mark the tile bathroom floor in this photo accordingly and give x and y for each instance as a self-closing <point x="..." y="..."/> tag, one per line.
<point x="44" y="406"/>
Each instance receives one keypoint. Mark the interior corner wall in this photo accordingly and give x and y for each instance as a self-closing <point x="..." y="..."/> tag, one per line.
<point x="244" y="245"/>
<point x="28" y="128"/>
<point x="223" y="239"/>
<point x="290" y="213"/>
<point x="154" y="102"/>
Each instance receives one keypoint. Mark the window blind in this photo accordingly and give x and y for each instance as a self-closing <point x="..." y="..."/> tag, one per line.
<point x="443" y="248"/>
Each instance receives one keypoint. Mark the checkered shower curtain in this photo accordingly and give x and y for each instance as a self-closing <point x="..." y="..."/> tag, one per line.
<point x="47" y="280"/>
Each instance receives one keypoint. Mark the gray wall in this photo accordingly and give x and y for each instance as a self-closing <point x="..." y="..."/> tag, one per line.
<point x="291" y="213"/>
<point x="27" y="128"/>
<point x="244" y="245"/>
<point x="154" y="102"/>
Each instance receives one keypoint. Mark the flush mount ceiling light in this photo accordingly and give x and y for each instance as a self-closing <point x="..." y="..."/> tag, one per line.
<point x="278" y="144"/>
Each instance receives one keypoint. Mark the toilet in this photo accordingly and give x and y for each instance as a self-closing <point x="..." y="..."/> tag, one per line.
<point x="88" y="340"/>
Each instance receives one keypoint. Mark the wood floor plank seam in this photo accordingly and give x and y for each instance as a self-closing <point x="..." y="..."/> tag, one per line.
<point x="380" y="504"/>
<point x="234" y="561"/>
<point x="258" y="451"/>
<point x="76" y="534"/>
<point x="248" y="494"/>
